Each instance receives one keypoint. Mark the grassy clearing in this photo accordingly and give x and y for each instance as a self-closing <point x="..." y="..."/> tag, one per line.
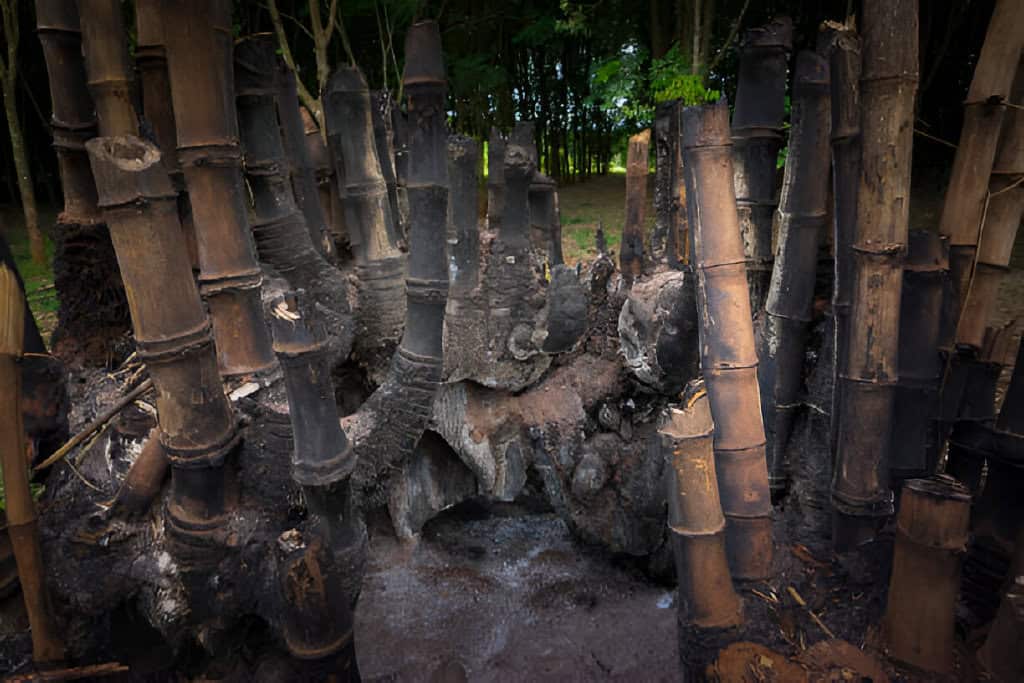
<point x="596" y="201"/>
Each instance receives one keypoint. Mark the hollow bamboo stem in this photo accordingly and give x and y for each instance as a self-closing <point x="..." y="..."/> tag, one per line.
<point x="1002" y="217"/>
<point x="198" y="42"/>
<point x="860" y="489"/>
<point x="173" y="336"/>
<point x="631" y="250"/>
<point x="757" y="139"/>
<point x="111" y="81"/>
<point x="20" y="509"/>
<point x="728" y="356"/>
<point x="802" y="216"/>
<point x="931" y="537"/>
<point x="984" y="111"/>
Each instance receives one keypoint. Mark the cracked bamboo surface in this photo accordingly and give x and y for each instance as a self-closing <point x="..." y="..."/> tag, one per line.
<point x="727" y="349"/>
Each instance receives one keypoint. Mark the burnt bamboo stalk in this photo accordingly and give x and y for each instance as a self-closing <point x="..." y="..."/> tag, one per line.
<point x="1002" y="216"/>
<point x="173" y="338"/>
<point x="282" y="238"/>
<point x="757" y="138"/>
<point x="984" y="111"/>
<point x="400" y="131"/>
<point x="202" y="90"/>
<point x="106" y="63"/>
<point x="915" y="412"/>
<point x="844" y="68"/>
<point x="20" y="509"/>
<point x="321" y="577"/>
<point x="330" y="184"/>
<point x="631" y="250"/>
<point x="383" y="138"/>
<point x="708" y="605"/>
<point x="1002" y="654"/>
<point x="545" y="232"/>
<point x="728" y="355"/>
<point x="463" y="227"/>
<point x="803" y="212"/>
<point x="143" y="482"/>
<point x="666" y="173"/>
<point x="495" y="179"/>
<point x="380" y="264"/>
<point x="860" y="486"/>
<point x="931" y="537"/>
<point x="74" y="119"/>
<point x="303" y="172"/>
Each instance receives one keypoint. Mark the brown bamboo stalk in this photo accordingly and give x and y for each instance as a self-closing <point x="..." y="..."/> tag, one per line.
<point x="860" y="488"/>
<point x="111" y="81"/>
<point x="708" y="604"/>
<point x="202" y="89"/>
<point x="728" y="355"/>
<point x="381" y="105"/>
<point x="495" y="179"/>
<point x="145" y="478"/>
<point x="757" y="138"/>
<point x="803" y="213"/>
<point x="330" y="186"/>
<point x="74" y="119"/>
<point x="845" y="68"/>
<point x="22" y="522"/>
<point x="931" y="537"/>
<point x="984" y="110"/>
<point x="631" y="250"/>
<point x="173" y="336"/>
<point x="1002" y="217"/>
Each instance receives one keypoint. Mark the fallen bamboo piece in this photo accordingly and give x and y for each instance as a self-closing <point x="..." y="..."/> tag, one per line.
<point x="931" y="537"/>
<point x="144" y="479"/>
<point x="984" y="111"/>
<point x="631" y="249"/>
<point x="75" y="673"/>
<point x="22" y="521"/>
<point x="861" y="496"/>
<point x="728" y="355"/>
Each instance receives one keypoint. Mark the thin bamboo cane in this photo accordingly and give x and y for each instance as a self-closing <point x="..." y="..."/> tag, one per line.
<point x="198" y="41"/>
<point x="803" y="213"/>
<point x="198" y="429"/>
<point x="728" y="355"/>
<point x="860" y="490"/>
<point x="631" y="249"/>
<point x="22" y="522"/>
<point x="111" y="81"/>
<point x="984" y="110"/>
<point x="1002" y="217"/>
<point x="757" y="138"/>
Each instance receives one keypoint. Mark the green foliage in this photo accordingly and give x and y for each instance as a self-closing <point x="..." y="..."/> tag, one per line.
<point x="618" y="86"/>
<point x="672" y="79"/>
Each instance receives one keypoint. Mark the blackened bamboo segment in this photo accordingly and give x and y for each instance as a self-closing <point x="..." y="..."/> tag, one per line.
<point x="74" y="119"/>
<point x="106" y="61"/>
<point x="757" y="138"/>
<point x="545" y="230"/>
<point x="381" y="104"/>
<point x="495" y="179"/>
<point x="915" y="428"/>
<point x="463" y="226"/>
<point x="931" y="537"/>
<point x="984" y="110"/>
<point x="1002" y="219"/>
<point x="631" y="256"/>
<point x="860" y="490"/>
<point x="143" y="482"/>
<point x="330" y="181"/>
<point x="667" y="170"/>
<point x="322" y="454"/>
<point x="172" y="333"/>
<point x="198" y="46"/>
<point x="282" y="237"/>
<point x="1002" y="654"/>
<point x="303" y="171"/>
<point x="802" y="217"/>
<point x="728" y="357"/>
<point x="696" y="524"/>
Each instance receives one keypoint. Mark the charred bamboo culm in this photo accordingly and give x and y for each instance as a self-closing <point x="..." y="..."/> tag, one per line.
<point x="802" y="218"/>
<point x="631" y="250"/>
<point x="463" y="227"/>
<point x="545" y="230"/>
<point x="495" y="179"/>
<point x="728" y="355"/>
<point x="330" y="183"/>
<point x="860" y="487"/>
<point x="757" y="139"/>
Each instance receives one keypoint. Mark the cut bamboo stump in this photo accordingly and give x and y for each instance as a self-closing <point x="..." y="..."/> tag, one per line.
<point x="631" y="249"/>
<point x="860" y="488"/>
<point x="728" y="355"/>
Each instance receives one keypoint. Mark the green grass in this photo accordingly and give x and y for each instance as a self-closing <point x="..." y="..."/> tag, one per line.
<point x="42" y="298"/>
<point x="596" y="201"/>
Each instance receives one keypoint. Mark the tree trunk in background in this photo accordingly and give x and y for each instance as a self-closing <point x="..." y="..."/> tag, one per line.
<point x="802" y="219"/>
<point x="9" y="79"/>
<point x="631" y="250"/>
<point x="860" y="492"/>
<point x="984" y="110"/>
<point x="728" y="354"/>
<point x="757" y="138"/>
